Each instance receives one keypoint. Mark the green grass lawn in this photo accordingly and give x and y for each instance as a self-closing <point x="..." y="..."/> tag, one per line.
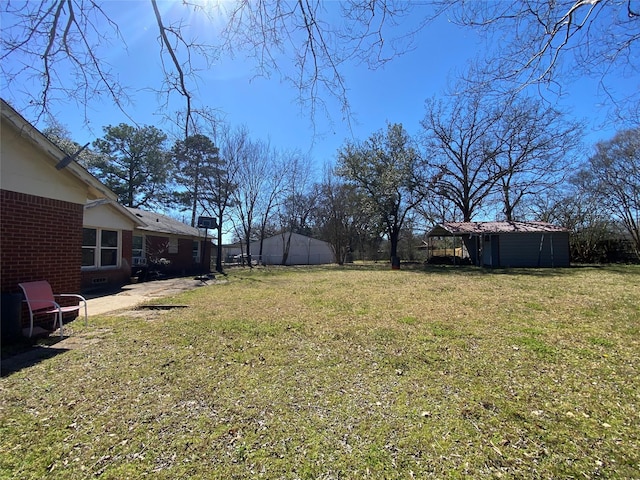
<point x="356" y="372"/>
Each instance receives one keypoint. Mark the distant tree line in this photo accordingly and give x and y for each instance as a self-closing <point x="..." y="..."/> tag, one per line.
<point x="473" y="160"/>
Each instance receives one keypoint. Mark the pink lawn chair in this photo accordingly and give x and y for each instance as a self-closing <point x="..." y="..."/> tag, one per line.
<point x="41" y="301"/>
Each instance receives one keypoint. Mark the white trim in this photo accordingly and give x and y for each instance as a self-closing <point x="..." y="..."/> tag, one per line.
<point x="98" y="248"/>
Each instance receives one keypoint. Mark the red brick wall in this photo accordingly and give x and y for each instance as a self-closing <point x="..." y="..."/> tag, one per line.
<point x="40" y="239"/>
<point x="127" y="250"/>
<point x="184" y="257"/>
<point x="181" y="263"/>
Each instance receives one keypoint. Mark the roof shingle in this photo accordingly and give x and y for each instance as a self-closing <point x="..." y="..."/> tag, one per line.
<point x="156" y="222"/>
<point x="479" y="228"/>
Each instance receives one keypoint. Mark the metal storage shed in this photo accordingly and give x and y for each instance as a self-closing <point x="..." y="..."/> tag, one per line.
<point x="294" y="249"/>
<point x="286" y="248"/>
<point x="510" y="244"/>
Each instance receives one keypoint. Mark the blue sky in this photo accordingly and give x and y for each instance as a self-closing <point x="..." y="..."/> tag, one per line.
<point x="268" y="107"/>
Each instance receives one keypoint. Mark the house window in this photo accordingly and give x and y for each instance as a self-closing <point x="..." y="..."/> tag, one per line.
<point x="173" y="245"/>
<point x="89" y="247"/>
<point x="196" y="252"/>
<point x="108" y="248"/>
<point x="100" y="248"/>
<point x="138" y="251"/>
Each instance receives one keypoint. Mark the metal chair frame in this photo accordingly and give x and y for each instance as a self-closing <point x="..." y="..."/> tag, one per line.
<point x="42" y="301"/>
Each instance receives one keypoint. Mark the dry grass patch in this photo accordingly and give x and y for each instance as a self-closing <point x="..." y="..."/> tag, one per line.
<point x="347" y="373"/>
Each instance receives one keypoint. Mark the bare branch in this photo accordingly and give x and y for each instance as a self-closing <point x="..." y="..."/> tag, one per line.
<point x="60" y="44"/>
<point x="549" y="44"/>
<point x="56" y="44"/>
<point x="181" y="87"/>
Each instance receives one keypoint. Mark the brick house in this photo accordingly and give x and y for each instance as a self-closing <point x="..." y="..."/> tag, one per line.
<point x="42" y="210"/>
<point x="169" y="246"/>
<point x="107" y="244"/>
<point x="42" y="207"/>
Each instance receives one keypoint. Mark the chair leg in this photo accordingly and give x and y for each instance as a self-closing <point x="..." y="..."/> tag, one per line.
<point x="59" y="317"/>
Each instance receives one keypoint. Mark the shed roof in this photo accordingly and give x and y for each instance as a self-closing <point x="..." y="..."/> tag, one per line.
<point x="479" y="228"/>
<point x="156" y="222"/>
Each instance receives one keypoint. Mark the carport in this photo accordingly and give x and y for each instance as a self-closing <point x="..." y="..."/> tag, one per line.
<point x="509" y="244"/>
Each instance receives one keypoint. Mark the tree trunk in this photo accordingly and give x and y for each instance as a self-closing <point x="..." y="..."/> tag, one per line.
<point x="219" y="249"/>
<point x="248" y="241"/>
<point x="393" y="241"/>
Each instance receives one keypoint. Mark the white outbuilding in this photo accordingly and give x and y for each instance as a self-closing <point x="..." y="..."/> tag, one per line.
<point x="286" y="248"/>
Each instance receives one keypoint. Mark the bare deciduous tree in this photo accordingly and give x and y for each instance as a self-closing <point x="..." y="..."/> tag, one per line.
<point x="612" y="174"/>
<point x="340" y="218"/>
<point x="258" y="185"/>
<point x="58" y="45"/>
<point x="297" y="200"/>
<point x="460" y="135"/>
<point x="222" y="183"/>
<point x="537" y="147"/>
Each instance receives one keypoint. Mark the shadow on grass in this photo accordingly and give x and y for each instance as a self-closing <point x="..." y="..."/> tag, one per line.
<point x="531" y="271"/>
<point x="466" y="270"/>
<point x="471" y="270"/>
<point x="26" y="354"/>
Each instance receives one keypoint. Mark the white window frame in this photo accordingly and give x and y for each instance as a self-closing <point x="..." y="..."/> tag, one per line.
<point x="97" y="249"/>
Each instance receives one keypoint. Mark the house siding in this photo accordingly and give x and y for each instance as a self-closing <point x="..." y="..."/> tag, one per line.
<point x="106" y="216"/>
<point x="27" y="169"/>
